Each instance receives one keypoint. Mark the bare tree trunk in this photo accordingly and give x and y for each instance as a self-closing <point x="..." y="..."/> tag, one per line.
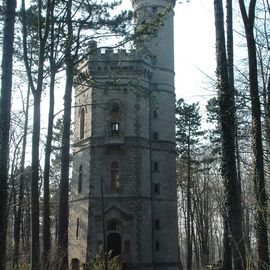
<point x="196" y="246"/>
<point x="17" y="223"/>
<point x="189" y="232"/>
<point x="233" y="207"/>
<point x="48" y="149"/>
<point x="5" y="107"/>
<point x="205" y="218"/>
<point x="227" y="248"/>
<point x="36" y="91"/>
<point x="26" y="230"/>
<point x="256" y="135"/>
<point x="35" y="185"/>
<point x="238" y="244"/>
<point x="65" y="148"/>
<point x="46" y="179"/>
<point x="267" y="113"/>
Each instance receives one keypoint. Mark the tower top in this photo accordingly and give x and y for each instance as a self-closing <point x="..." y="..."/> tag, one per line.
<point x="152" y="2"/>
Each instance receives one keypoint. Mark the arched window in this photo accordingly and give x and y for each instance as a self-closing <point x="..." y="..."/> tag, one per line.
<point x="82" y="123"/>
<point x="155" y="113"/>
<point x="77" y="228"/>
<point x="115" y="108"/>
<point x="115" y="119"/>
<point x="75" y="264"/>
<point x="114" y="238"/>
<point x="99" y="70"/>
<point x="115" y="176"/>
<point x="80" y="179"/>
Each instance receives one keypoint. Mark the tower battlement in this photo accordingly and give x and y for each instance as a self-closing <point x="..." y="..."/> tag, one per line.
<point x="121" y="62"/>
<point x="108" y="54"/>
<point x="120" y="57"/>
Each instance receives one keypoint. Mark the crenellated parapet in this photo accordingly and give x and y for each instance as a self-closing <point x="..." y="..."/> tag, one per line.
<point x="119" y="63"/>
<point x="112" y="63"/>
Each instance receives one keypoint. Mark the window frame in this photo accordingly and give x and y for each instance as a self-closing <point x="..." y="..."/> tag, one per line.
<point x="155" y="136"/>
<point x="157" y="246"/>
<point x="82" y="123"/>
<point x="115" y="119"/>
<point x="157" y="224"/>
<point x="155" y="166"/>
<point x="115" y="127"/>
<point x="115" y="175"/>
<point x="156" y="188"/>
<point x="77" y="228"/>
<point x="80" y="179"/>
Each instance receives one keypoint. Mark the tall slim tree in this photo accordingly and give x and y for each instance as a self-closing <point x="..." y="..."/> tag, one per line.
<point x="43" y="31"/>
<point x="65" y="146"/>
<point x="228" y="165"/>
<point x="48" y="147"/>
<point x="5" y="108"/>
<point x="230" y="57"/>
<point x="188" y="121"/>
<point x="256" y="136"/>
<point x="18" y="216"/>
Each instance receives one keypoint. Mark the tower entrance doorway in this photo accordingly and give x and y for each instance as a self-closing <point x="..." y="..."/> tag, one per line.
<point x="75" y="264"/>
<point x="114" y="244"/>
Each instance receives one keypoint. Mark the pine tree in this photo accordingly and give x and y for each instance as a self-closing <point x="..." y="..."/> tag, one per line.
<point x="188" y="122"/>
<point x="5" y="108"/>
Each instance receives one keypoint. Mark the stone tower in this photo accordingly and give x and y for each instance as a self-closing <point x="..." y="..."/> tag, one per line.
<point x="125" y="148"/>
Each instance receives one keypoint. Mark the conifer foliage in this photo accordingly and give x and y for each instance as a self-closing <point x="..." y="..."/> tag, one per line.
<point x="188" y="122"/>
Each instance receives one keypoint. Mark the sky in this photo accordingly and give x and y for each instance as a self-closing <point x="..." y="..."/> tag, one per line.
<point x="194" y="50"/>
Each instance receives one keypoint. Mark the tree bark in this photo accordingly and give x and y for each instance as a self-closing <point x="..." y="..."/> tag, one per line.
<point x="17" y="222"/>
<point x="5" y="108"/>
<point x="36" y="91"/>
<point x="267" y="113"/>
<point x="65" y="149"/>
<point x="48" y="149"/>
<point x="238" y="247"/>
<point x="233" y="207"/>
<point x="256" y="133"/>
<point x="189" y="235"/>
<point x="227" y="248"/>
